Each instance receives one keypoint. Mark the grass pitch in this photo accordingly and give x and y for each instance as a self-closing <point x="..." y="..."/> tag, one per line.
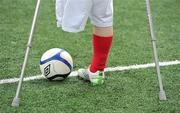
<point x="134" y="91"/>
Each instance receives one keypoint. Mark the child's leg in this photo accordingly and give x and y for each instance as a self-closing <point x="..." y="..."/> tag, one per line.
<point x="103" y="31"/>
<point x="102" y="40"/>
<point x="102" y="19"/>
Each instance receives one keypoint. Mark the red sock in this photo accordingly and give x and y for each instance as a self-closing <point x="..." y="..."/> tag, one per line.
<point x="101" y="47"/>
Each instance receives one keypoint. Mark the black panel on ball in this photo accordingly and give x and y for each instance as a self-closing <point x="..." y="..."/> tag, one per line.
<point x="59" y="75"/>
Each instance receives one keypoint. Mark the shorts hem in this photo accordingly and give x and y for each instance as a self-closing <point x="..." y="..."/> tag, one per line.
<point x="71" y="30"/>
<point x="103" y="24"/>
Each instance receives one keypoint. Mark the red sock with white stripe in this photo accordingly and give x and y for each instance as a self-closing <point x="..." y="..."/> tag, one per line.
<point x="101" y="47"/>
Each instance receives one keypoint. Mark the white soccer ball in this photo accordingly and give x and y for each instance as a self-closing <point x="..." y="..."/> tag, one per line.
<point x="56" y="64"/>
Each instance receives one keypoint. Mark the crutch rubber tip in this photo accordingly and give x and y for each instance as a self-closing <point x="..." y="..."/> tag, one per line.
<point x="15" y="102"/>
<point x="162" y="95"/>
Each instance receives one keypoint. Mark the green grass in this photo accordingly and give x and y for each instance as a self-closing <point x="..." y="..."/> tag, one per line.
<point x="134" y="91"/>
<point x="124" y="92"/>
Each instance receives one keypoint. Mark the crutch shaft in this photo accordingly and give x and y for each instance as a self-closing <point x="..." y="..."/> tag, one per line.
<point x="162" y="94"/>
<point x="16" y="99"/>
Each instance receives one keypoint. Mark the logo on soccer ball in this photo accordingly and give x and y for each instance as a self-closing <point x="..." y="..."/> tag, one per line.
<point x="47" y="70"/>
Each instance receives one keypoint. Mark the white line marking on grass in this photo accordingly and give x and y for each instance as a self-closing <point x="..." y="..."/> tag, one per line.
<point x="109" y="69"/>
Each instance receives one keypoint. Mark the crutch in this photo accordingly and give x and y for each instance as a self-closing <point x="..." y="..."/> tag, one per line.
<point x="16" y="100"/>
<point x="162" y="95"/>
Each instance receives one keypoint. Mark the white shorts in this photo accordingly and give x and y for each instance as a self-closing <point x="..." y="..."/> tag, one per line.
<point x="72" y="15"/>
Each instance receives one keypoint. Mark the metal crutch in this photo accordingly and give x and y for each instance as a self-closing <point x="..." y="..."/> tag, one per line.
<point x="162" y="94"/>
<point x="16" y="100"/>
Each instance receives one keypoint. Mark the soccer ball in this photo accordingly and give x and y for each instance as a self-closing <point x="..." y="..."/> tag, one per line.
<point x="56" y="64"/>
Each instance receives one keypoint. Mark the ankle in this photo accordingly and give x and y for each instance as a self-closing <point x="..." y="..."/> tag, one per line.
<point x="92" y="69"/>
<point x="92" y="73"/>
